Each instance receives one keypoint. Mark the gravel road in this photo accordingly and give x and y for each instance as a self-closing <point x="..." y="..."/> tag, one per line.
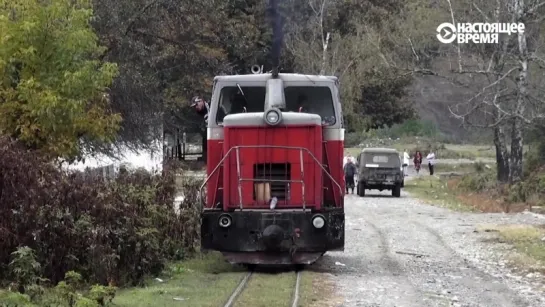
<point x="401" y="252"/>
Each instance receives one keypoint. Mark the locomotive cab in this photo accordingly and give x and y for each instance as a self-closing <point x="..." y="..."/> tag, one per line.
<point x="274" y="186"/>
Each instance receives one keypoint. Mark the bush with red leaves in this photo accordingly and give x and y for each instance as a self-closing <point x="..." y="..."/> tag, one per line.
<point x="112" y="232"/>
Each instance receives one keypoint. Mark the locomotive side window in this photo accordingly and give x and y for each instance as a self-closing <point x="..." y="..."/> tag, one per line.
<point x="231" y="101"/>
<point x="311" y="99"/>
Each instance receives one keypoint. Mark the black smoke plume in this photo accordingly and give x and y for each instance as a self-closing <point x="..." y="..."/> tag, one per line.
<point x="278" y="35"/>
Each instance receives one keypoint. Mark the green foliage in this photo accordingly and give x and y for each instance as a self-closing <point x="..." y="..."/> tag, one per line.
<point x="167" y="55"/>
<point x="408" y="128"/>
<point x="352" y="139"/>
<point x="534" y="158"/>
<point x="85" y="302"/>
<point x="52" y="82"/>
<point x="24" y="267"/>
<point x="479" y="166"/>
<point x="15" y="299"/>
<point x="531" y="189"/>
<point x="112" y="233"/>
<point x="102" y="294"/>
<point x="477" y="182"/>
<point x="70" y="292"/>
<point x="384" y="100"/>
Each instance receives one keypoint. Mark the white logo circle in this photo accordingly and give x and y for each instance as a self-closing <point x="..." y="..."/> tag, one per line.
<point x="449" y="30"/>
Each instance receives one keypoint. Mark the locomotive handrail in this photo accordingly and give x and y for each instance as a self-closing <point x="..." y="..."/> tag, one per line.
<point x="265" y="146"/>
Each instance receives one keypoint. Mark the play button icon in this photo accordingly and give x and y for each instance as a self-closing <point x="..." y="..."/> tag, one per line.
<point x="446" y="33"/>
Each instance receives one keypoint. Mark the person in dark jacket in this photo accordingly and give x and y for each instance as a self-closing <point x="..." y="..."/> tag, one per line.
<point x="200" y="106"/>
<point x="350" y="170"/>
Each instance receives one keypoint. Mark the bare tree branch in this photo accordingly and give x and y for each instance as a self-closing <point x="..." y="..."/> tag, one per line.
<point x="324" y="55"/>
<point x="414" y="51"/>
<point x="480" y="11"/>
<point x="534" y="8"/>
<point x="140" y="13"/>
<point x="458" y="45"/>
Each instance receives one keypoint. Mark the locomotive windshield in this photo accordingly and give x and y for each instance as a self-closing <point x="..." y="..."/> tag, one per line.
<point x="308" y="99"/>
<point x="312" y="99"/>
<point x="232" y="102"/>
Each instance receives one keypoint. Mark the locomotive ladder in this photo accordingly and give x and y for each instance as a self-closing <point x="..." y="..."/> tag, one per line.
<point x="240" y="180"/>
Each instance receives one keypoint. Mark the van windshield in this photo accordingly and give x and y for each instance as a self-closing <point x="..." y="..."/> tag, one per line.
<point x="308" y="99"/>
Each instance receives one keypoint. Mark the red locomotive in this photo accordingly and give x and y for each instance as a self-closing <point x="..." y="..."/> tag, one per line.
<point x="275" y="184"/>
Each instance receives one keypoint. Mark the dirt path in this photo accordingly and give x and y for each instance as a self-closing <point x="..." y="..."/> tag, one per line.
<point x="400" y="252"/>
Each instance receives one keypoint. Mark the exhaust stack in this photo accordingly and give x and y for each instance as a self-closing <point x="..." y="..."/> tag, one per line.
<point x="274" y="97"/>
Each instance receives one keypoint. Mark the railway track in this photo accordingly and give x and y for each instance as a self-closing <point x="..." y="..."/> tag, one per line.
<point x="247" y="279"/>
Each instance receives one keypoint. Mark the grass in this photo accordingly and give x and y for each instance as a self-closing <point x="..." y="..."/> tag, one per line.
<point x="436" y="192"/>
<point x="209" y="281"/>
<point x="452" y="168"/>
<point x="265" y="290"/>
<point x="268" y="289"/>
<point x="527" y="240"/>
<point x="276" y="289"/>
<point x="204" y="281"/>
<point x="472" y="151"/>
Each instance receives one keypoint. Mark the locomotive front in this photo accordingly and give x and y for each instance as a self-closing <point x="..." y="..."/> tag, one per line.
<point x="275" y="189"/>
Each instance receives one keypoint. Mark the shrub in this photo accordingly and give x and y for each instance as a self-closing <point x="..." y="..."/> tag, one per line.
<point x="477" y="182"/>
<point x="111" y="232"/>
<point x="479" y="166"/>
<point x="534" y="158"/>
<point x="531" y="188"/>
<point x="353" y="139"/>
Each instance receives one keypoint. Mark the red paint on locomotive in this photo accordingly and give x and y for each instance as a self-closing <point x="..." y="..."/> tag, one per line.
<point x="298" y="159"/>
<point x="309" y="137"/>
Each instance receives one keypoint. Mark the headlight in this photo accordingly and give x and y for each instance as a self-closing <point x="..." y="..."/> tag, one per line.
<point x="318" y="221"/>
<point x="273" y="116"/>
<point x="225" y="221"/>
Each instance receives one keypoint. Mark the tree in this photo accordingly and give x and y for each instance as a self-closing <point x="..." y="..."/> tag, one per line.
<point x="53" y="87"/>
<point x="350" y="39"/>
<point x="501" y="92"/>
<point x="169" y="51"/>
<point x="510" y="94"/>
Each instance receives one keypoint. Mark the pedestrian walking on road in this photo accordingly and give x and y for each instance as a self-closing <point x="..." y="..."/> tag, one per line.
<point x="431" y="161"/>
<point x="406" y="159"/>
<point x="347" y="157"/>
<point x="417" y="161"/>
<point x="349" y="171"/>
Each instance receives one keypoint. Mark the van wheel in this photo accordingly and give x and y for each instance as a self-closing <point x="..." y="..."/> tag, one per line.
<point x="361" y="190"/>
<point x="396" y="191"/>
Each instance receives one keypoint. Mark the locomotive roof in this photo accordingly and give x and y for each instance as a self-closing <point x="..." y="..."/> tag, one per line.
<point x="284" y="77"/>
<point x="380" y="150"/>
